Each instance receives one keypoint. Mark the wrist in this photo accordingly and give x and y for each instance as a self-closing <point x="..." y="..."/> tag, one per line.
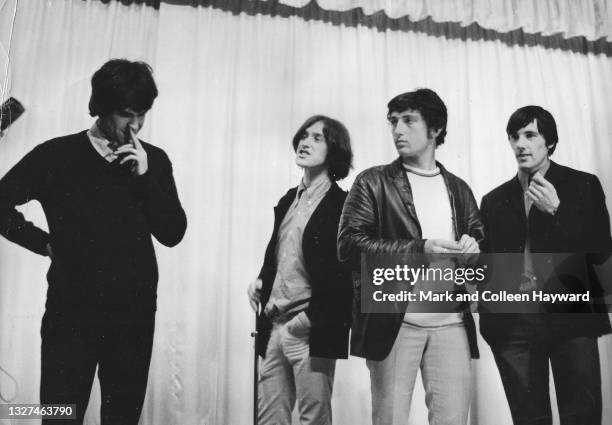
<point x="553" y="210"/>
<point x="425" y="248"/>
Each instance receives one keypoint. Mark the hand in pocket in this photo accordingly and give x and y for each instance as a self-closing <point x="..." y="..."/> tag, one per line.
<point x="299" y="326"/>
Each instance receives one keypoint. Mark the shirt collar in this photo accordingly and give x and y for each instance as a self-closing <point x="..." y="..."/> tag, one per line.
<point x="524" y="178"/>
<point x="421" y="171"/>
<point x="100" y="143"/>
<point x="317" y="187"/>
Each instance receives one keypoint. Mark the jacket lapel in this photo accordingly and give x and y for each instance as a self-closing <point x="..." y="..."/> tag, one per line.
<point x="555" y="174"/>
<point x="451" y="189"/>
<point x="514" y="200"/>
<point x="281" y="209"/>
<point x="400" y="181"/>
<point x="321" y="212"/>
<point x="539" y="225"/>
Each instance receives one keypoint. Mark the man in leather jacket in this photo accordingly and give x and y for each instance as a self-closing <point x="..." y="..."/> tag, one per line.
<point x="413" y="205"/>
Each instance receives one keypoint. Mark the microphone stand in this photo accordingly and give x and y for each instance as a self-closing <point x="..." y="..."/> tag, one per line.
<point x="255" y="336"/>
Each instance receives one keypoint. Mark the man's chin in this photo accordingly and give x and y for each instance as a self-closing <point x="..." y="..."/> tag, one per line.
<point x="406" y="153"/>
<point x="526" y="168"/>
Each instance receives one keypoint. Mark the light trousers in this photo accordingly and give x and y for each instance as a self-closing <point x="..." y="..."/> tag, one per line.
<point x="288" y="374"/>
<point x="443" y="356"/>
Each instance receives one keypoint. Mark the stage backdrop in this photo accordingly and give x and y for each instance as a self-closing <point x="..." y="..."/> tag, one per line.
<point x="233" y="89"/>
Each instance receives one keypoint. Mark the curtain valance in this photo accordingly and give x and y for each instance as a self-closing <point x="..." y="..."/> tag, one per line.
<point x="591" y="19"/>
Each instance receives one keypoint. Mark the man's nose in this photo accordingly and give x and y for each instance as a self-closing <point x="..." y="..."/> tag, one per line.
<point x="134" y="123"/>
<point x="521" y="142"/>
<point x="400" y="128"/>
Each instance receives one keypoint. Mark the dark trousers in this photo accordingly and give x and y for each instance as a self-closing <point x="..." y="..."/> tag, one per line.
<point x="72" y="347"/>
<point x="523" y="361"/>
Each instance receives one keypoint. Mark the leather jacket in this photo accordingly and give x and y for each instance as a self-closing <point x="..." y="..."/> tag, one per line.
<point x="379" y="217"/>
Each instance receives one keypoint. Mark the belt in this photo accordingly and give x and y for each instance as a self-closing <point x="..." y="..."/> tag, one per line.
<point x="288" y="313"/>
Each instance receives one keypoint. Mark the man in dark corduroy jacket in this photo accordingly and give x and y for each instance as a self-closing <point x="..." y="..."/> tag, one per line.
<point x="304" y="292"/>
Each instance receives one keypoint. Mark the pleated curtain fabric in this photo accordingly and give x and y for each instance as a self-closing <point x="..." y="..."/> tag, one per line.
<point x="233" y="90"/>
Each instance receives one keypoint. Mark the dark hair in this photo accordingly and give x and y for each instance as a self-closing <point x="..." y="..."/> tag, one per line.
<point x="339" y="154"/>
<point x="430" y="106"/>
<point x="122" y="84"/>
<point x="544" y="120"/>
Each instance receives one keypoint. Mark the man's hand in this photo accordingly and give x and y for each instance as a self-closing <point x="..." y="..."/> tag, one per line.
<point x="254" y="293"/>
<point x="134" y="152"/>
<point x="543" y="194"/>
<point x="468" y="245"/>
<point x="469" y="250"/>
<point x="300" y="325"/>
<point x="441" y="246"/>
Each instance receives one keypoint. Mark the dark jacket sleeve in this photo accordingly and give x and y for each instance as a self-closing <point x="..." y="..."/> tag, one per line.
<point x="484" y="214"/>
<point x="595" y="234"/>
<point x="268" y="268"/>
<point x="333" y="288"/>
<point x="359" y="230"/>
<point x="474" y="218"/>
<point x="19" y="186"/>
<point x="161" y="204"/>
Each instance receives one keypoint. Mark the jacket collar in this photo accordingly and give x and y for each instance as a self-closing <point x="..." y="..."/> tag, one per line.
<point x="285" y="202"/>
<point x="400" y="180"/>
<point x="555" y="174"/>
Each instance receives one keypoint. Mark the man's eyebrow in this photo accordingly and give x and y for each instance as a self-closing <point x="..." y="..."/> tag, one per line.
<point x="131" y="112"/>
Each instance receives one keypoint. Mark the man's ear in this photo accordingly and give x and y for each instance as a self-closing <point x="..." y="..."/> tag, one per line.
<point x="434" y="133"/>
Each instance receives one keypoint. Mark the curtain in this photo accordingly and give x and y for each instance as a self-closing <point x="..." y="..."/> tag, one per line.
<point x="233" y="90"/>
<point x="572" y="18"/>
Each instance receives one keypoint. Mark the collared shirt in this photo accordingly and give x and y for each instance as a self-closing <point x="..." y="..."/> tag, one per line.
<point x="101" y="143"/>
<point x="291" y="289"/>
<point x="524" y="180"/>
<point x="529" y="271"/>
